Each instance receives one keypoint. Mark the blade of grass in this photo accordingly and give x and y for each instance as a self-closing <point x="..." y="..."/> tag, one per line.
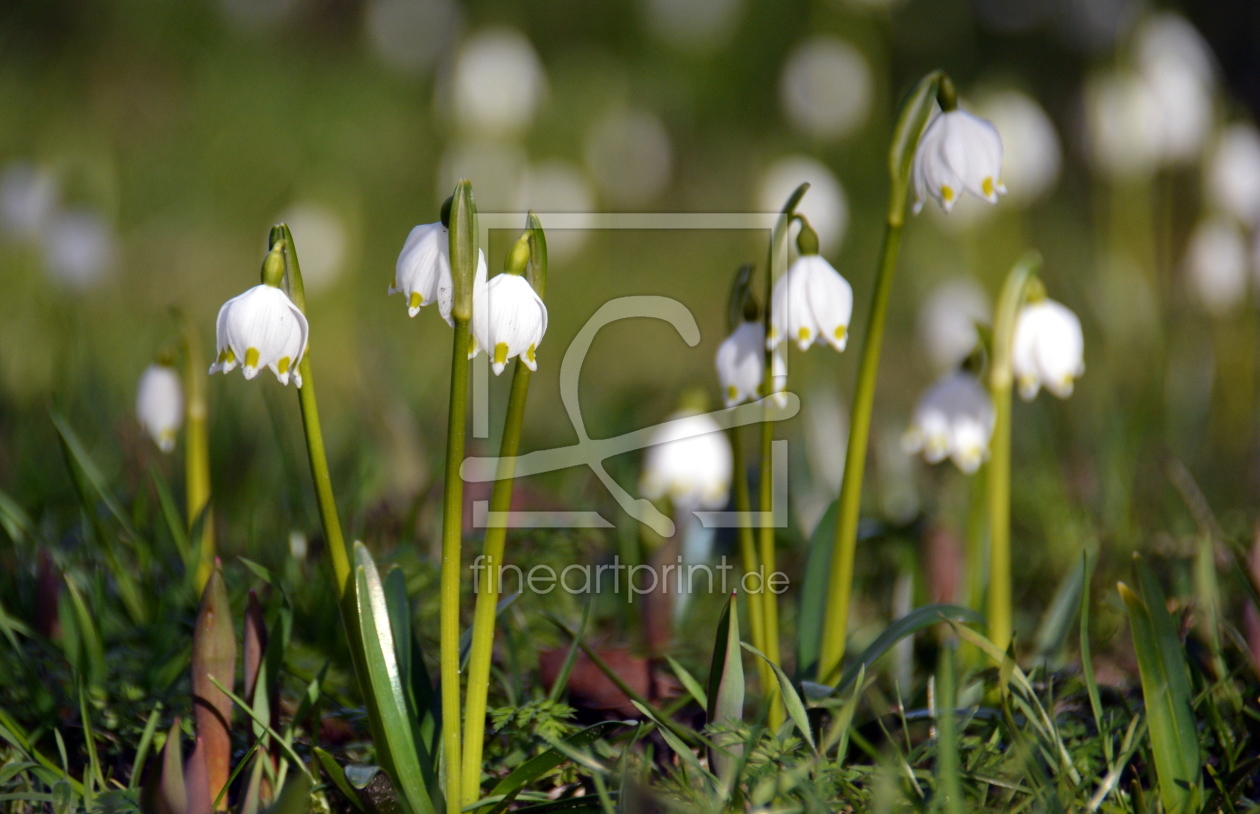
<point x="791" y="699"/>
<point x="562" y="678"/>
<point x="509" y="787"/>
<point x="689" y="682"/>
<point x="1166" y="690"/>
<point x="338" y="777"/>
<point x="911" y="623"/>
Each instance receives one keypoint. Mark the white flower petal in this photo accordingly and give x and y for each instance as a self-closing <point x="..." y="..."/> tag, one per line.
<point x="690" y="461"/>
<point x="957" y="152"/>
<point x="423" y="271"/>
<point x="160" y="405"/>
<point x="261" y="328"/>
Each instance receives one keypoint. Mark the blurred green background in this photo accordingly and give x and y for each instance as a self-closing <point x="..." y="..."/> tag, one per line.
<point x="146" y="147"/>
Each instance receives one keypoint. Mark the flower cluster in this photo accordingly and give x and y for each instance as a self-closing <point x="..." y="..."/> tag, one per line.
<point x="954" y="419"/>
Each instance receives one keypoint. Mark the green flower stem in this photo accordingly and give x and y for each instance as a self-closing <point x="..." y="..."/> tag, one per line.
<point x="836" y="620"/>
<point x="998" y="484"/>
<point x="748" y="553"/>
<point x="315" y="453"/>
<point x="488" y="589"/>
<point x="197" y="452"/>
<point x="452" y="532"/>
<point x="769" y="600"/>
<point x="914" y="114"/>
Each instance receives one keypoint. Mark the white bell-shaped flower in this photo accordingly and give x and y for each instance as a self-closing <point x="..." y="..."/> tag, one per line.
<point x="954" y="419"/>
<point x="689" y="462"/>
<point x="261" y="328"/>
<point x="1048" y="349"/>
<point x="160" y="405"/>
<point x="423" y="271"/>
<point x="741" y="365"/>
<point x="957" y="152"/>
<point x="1217" y="263"/>
<point x="811" y="301"/>
<point x="509" y="319"/>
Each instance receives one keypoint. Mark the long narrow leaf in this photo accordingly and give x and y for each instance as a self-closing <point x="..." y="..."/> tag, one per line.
<point x="813" y="599"/>
<point x="372" y="649"/>
<point x="726" y="690"/>
<point x="911" y="623"/>
<point x="1166" y="690"/>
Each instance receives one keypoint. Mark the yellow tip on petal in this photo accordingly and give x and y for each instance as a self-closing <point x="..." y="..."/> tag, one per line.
<point x="251" y="357"/>
<point x="529" y="354"/>
<point x="803" y="334"/>
<point x="416" y="300"/>
<point x="841" y="332"/>
<point x="227" y="357"/>
<point x="283" y="365"/>
<point x="947" y="193"/>
<point x="987" y="186"/>
<point x="500" y="353"/>
<point x="732" y="393"/>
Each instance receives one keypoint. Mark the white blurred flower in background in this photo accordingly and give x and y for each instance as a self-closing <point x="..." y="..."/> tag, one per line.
<point x="1216" y="264"/>
<point x="1161" y="110"/>
<point x="558" y="186"/>
<point x="825" y="87"/>
<point x="693" y="472"/>
<point x="953" y="419"/>
<point x="497" y="83"/>
<point x="1123" y="121"/>
<point x="80" y="248"/>
<point x="947" y="321"/>
<point x="1048" y="349"/>
<point x="28" y="198"/>
<point x="321" y="238"/>
<point x="160" y="405"/>
<point x="699" y="26"/>
<point x="410" y="36"/>
<point x="630" y="154"/>
<point x="1180" y="71"/>
<point x="825" y="205"/>
<point x="1232" y="175"/>
<point x="1032" y="156"/>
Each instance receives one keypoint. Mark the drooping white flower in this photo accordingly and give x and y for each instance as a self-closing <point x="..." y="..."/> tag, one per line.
<point x="954" y="419"/>
<point x="1232" y="175"/>
<point x="509" y="319"/>
<point x="811" y="300"/>
<point x="261" y="328"/>
<point x="1178" y="67"/>
<point x="957" y="152"/>
<point x="423" y="271"/>
<point x="1216" y="264"/>
<point x="1048" y="349"/>
<point x="689" y="462"/>
<point x="160" y="405"/>
<point x="741" y="365"/>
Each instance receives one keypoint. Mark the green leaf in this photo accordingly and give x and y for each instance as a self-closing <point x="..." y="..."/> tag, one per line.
<point x="905" y="140"/>
<point x="372" y="649"/>
<point x="91" y="651"/>
<point x="174" y="523"/>
<point x="512" y="785"/>
<point x="78" y="456"/>
<point x="1057" y="621"/>
<point x="911" y="623"/>
<point x="417" y="689"/>
<point x="791" y="698"/>
<point x="1167" y="692"/>
<point x="295" y="797"/>
<point x="465" y="638"/>
<point x="1087" y="660"/>
<point x="562" y="678"/>
<point x="726" y="690"/>
<point x="813" y="599"/>
<point x="689" y="682"/>
<point x="338" y="777"/>
<point x="62" y="798"/>
<point x="948" y="778"/>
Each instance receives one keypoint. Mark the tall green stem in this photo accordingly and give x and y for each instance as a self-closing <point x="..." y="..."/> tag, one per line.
<point x="452" y="532"/>
<point x="488" y="589"/>
<point x="769" y="600"/>
<point x="998" y="483"/>
<point x="748" y="553"/>
<point x="914" y="114"/>
<point x="836" y="620"/>
<point x="197" y="452"/>
<point x="315" y="453"/>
